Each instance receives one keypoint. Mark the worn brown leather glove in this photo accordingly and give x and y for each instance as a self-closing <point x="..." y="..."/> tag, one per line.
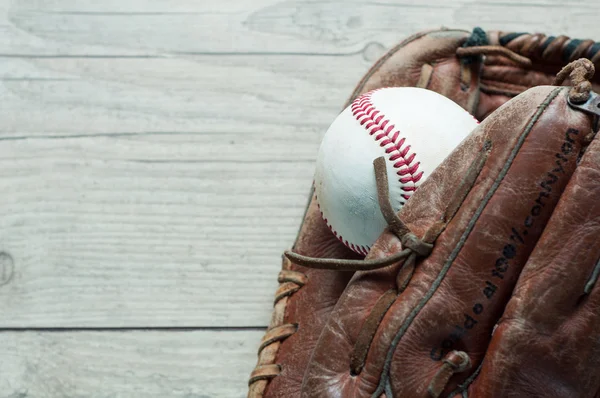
<point x="484" y="285"/>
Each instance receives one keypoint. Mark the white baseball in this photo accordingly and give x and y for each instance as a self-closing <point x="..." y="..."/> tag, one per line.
<point x="414" y="129"/>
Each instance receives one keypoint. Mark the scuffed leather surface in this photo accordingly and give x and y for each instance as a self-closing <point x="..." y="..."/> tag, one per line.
<point x="421" y="324"/>
<point x="547" y="343"/>
<point x="489" y="86"/>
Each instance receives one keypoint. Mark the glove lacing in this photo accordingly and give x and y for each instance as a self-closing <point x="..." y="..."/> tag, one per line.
<point x="526" y="46"/>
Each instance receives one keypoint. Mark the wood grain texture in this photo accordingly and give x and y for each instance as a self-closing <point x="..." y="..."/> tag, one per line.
<point x="143" y="27"/>
<point x="144" y="230"/>
<point x="135" y="364"/>
<point x="155" y="158"/>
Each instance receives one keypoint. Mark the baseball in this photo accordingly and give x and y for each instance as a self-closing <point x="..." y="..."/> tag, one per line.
<point x="414" y="129"/>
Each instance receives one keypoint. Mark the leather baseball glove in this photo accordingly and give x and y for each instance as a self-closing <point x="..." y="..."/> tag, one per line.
<point x="484" y="284"/>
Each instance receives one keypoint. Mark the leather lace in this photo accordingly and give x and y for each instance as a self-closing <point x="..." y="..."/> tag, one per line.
<point x="477" y="44"/>
<point x="493" y="50"/>
<point x="266" y="369"/>
<point x="553" y="49"/>
<point x="522" y="48"/>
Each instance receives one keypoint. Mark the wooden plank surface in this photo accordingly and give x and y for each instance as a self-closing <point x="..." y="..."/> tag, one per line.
<point x="143" y="230"/>
<point x="143" y="27"/>
<point x="135" y="364"/>
<point x="158" y="165"/>
<point x="155" y="158"/>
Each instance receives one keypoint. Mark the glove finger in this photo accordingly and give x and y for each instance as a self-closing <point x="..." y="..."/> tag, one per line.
<point x="547" y="343"/>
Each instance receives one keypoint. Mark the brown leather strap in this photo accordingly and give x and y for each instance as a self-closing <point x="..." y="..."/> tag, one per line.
<point x="346" y="265"/>
<point x="394" y="222"/>
<point x="292" y="276"/>
<point x="493" y="50"/>
<point x="368" y="330"/>
<point x="277" y="334"/>
<point x="561" y="49"/>
<point x="264" y="372"/>
<point x="289" y="283"/>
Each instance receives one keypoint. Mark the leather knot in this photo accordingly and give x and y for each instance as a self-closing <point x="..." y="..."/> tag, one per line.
<point x="580" y="71"/>
<point x="581" y="92"/>
<point x="415" y="244"/>
<point x="459" y="361"/>
<point x="454" y="362"/>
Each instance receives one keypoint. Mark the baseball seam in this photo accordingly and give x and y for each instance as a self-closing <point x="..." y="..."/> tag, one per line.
<point x="395" y="147"/>
<point x="364" y="250"/>
<point x="389" y="138"/>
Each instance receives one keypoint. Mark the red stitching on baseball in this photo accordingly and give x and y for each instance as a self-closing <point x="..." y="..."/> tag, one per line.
<point x="365" y="112"/>
<point x="374" y="121"/>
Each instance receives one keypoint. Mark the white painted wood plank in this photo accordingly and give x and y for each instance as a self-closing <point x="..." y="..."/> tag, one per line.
<point x="143" y="27"/>
<point x="146" y="230"/>
<point x="134" y="364"/>
<point x="283" y="96"/>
